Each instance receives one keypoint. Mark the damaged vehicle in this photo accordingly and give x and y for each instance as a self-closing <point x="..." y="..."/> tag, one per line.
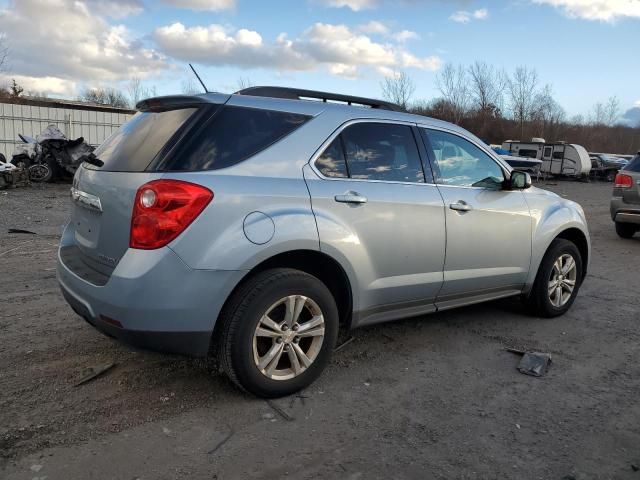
<point x="11" y="175"/>
<point x="51" y="155"/>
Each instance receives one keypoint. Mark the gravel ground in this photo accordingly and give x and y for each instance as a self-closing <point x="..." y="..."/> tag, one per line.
<point x="430" y="397"/>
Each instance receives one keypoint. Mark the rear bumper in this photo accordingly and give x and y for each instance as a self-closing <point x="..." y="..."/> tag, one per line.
<point x="153" y="300"/>
<point x="624" y="212"/>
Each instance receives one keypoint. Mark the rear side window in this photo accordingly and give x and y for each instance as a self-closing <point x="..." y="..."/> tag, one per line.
<point x="633" y="165"/>
<point x="135" y="144"/>
<point x="232" y="135"/>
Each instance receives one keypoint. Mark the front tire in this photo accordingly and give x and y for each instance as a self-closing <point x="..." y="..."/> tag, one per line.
<point x="626" y="230"/>
<point x="278" y="332"/>
<point x="558" y="280"/>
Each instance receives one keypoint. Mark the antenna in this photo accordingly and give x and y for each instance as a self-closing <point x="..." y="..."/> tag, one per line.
<point x="199" y="79"/>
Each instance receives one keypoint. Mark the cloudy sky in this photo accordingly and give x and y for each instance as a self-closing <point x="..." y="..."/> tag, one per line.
<point x="588" y="49"/>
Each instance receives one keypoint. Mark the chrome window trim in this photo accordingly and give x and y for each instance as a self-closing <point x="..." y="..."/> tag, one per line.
<point x="339" y="130"/>
<point x="506" y="170"/>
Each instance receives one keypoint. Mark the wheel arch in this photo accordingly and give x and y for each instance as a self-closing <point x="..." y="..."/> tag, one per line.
<point x="579" y="239"/>
<point x="322" y="266"/>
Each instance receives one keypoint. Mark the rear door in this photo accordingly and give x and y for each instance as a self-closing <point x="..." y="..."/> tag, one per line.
<point x="488" y="229"/>
<point x="378" y="211"/>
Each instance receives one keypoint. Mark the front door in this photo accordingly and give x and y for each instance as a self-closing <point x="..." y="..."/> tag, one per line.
<point x="488" y="250"/>
<point x="378" y="212"/>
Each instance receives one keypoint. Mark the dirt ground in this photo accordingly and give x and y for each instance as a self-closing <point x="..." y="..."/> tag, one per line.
<point x="430" y="397"/>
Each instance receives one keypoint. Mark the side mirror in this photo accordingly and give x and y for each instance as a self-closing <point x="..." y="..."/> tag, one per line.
<point x="520" y="180"/>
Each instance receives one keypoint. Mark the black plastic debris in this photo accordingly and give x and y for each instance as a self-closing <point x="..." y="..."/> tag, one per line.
<point x="534" y="364"/>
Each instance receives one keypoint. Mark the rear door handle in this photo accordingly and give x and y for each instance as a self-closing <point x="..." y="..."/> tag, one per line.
<point x="461" y="206"/>
<point x="351" y="197"/>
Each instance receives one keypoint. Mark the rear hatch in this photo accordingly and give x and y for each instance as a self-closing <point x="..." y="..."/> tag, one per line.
<point x="103" y="191"/>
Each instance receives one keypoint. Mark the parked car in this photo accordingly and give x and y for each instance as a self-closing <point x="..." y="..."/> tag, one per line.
<point x="625" y="202"/>
<point x="253" y="226"/>
<point x="606" y="166"/>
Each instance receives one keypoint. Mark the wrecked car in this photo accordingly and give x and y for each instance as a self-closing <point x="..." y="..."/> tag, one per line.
<point x="51" y="155"/>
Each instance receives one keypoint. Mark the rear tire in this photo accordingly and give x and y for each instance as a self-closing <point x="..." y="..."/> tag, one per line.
<point x="253" y="328"/>
<point x="626" y="230"/>
<point x="556" y="285"/>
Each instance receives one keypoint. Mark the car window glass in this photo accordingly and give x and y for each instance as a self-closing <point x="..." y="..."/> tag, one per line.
<point x="382" y="151"/>
<point x="233" y="135"/>
<point x="459" y="162"/>
<point x="331" y="163"/>
<point x="633" y="165"/>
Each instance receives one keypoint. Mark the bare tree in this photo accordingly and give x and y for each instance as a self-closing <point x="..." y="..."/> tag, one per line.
<point x="547" y="112"/>
<point x="612" y="111"/>
<point x="189" y="87"/>
<point x="105" y="96"/>
<point x="522" y="92"/>
<point x="398" y="88"/>
<point x="4" y="53"/>
<point x="486" y="87"/>
<point x="453" y="86"/>
<point x="15" y="90"/>
<point x="138" y="91"/>
<point x="243" y="83"/>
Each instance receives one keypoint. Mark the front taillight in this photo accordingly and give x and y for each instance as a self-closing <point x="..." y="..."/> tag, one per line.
<point x="623" y="181"/>
<point x="163" y="209"/>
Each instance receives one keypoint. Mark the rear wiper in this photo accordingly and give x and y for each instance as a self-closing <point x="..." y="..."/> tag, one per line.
<point x="92" y="159"/>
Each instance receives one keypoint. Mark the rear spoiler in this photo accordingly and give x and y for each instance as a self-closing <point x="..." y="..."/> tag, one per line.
<point x="173" y="102"/>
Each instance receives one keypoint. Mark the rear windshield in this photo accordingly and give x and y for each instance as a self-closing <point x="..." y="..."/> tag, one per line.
<point x="232" y="135"/>
<point x="633" y="165"/>
<point x="134" y="145"/>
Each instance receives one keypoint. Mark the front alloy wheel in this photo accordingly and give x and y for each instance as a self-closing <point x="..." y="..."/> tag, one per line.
<point x="288" y="337"/>
<point x="558" y="279"/>
<point x="563" y="280"/>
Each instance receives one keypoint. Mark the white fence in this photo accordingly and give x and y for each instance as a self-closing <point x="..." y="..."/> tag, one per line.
<point x="95" y="125"/>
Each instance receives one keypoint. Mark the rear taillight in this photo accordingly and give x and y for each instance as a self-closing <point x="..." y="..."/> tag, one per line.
<point x="163" y="209"/>
<point x="623" y="181"/>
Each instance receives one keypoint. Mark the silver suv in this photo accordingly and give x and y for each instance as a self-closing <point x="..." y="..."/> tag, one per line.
<point x="254" y="226"/>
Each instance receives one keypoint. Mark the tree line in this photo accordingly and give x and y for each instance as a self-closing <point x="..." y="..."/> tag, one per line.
<point x="498" y="106"/>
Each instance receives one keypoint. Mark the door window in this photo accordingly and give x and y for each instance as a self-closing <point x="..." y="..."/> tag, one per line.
<point x="460" y="163"/>
<point x="373" y="151"/>
<point x="382" y="151"/>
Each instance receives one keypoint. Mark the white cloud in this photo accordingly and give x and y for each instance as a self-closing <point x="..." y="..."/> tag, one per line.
<point x="405" y="35"/>
<point x="374" y="27"/>
<point x="603" y="10"/>
<point x="337" y="47"/>
<point x="203" y="5"/>
<point x="57" y="44"/>
<point x="49" y="85"/>
<point x="464" y="16"/>
<point x="355" y="5"/>
<point x="637" y="104"/>
<point x="115" y="8"/>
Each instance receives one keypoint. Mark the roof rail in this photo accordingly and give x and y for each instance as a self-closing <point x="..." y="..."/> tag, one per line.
<point x="300" y="94"/>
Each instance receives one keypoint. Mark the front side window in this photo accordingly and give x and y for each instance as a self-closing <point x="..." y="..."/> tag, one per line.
<point x="234" y="134"/>
<point x="458" y="162"/>
<point x="382" y="151"/>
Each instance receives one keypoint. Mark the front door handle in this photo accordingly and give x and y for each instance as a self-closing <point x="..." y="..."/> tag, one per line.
<point x="351" y="197"/>
<point x="461" y="206"/>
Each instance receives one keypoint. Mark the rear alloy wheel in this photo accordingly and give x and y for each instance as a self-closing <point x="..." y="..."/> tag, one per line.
<point x="288" y="337"/>
<point x="558" y="280"/>
<point x="278" y="331"/>
<point x="626" y="230"/>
